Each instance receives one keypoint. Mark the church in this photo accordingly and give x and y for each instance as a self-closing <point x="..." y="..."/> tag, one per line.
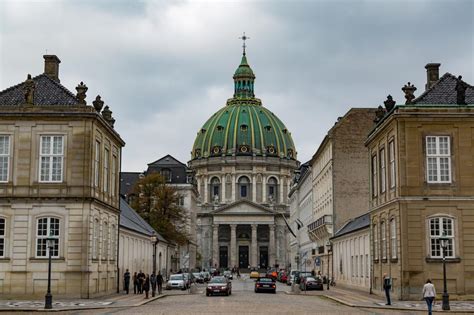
<point x="243" y="159"/>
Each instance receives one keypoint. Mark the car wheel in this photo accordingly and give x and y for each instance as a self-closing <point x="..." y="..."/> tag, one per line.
<point x="230" y="292"/>
<point x="207" y="293"/>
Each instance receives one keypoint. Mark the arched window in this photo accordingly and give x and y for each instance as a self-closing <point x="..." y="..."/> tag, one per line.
<point x="2" y="237"/>
<point x="47" y="228"/>
<point x="441" y="226"/>
<point x="393" y="238"/>
<point x="244" y="186"/>
<point x="215" y="188"/>
<point x="272" y="189"/>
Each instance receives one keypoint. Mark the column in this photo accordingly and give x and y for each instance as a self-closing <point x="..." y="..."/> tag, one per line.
<point x="254" y="188"/>
<point x="264" y="189"/>
<point x="206" y="193"/>
<point x="281" y="190"/>
<point x="233" y="246"/>
<point x="215" y="245"/>
<point x="253" y="256"/>
<point x="233" y="188"/>
<point x="223" y="184"/>
<point x="271" y="245"/>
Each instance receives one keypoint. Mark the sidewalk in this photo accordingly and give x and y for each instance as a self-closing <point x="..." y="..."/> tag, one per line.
<point x="355" y="298"/>
<point x="113" y="301"/>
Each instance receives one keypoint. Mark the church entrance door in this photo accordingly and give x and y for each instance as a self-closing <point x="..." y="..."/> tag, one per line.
<point x="264" y="257"/>
<point x="243" y="256"/>
<point x="223" y="257"/>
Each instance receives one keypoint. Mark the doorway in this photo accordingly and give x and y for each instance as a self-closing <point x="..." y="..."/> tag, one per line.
<point x="264" y="257"/>
<point x="243" y="256"/>
<point x="223" y="257"/>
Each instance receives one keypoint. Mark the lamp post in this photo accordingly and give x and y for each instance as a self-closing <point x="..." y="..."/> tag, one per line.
<point x="444" y="240"/>
<point x="48" y="299"/>
<point x="154" y="241"/>
<point x="329" y="247"/>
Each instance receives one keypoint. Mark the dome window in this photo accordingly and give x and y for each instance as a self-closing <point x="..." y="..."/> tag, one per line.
<point x="268" y="128"/>
<point x="285" y="130"/>
<point x="244" y="127"/>
<point x="244" y="149"/>
<point x="197" y="153"/>
<point x="203" y="130"/>
<point x="216" y="149"/>
<point x="290" y="153"/>
<point x="220" y="128"/>
<point x="271" y="150"/>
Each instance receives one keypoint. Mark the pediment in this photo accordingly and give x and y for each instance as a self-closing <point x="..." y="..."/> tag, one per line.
<point x="243" y="207"/>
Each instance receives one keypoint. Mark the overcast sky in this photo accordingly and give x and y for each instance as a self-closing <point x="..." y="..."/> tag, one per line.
<point x="164" y="67"/>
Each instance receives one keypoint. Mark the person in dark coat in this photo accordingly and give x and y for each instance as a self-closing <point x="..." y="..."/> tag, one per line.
<point x="135" y="283"/>
<point x="387" y="286"/>
<point x="126" y="281"/>
<point x="153" y="283"/>
<point x="141" y="279"/>
<point x="159" y="282"/>
<point x="146" y="285"/>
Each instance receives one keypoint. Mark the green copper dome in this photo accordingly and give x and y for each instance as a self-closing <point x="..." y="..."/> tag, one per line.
<point x="244" y="126"/>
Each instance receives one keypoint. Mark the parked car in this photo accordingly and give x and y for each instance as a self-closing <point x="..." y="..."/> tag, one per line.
<point x="228" y="275"/>
<point x="301" y="275"/>
<point x="284" y="278"/>
<point x="254" y="274"/>
<point x="311" y="283"/>
<point x="206" y="275"/>
<point x="176" y="281"/>
<point x="280" y="274"/>
<point x="272" y="273"/>
<point x="291" y="277"/>
<point x="218" y="285"/>
<point x="198" y="277"/>
<point x="266" y="284"/>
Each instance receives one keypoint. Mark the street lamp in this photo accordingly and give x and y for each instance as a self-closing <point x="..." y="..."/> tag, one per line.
<point x="444" y="240"/>
<point x="154" y="241"/>
<point x="48" y="299"/>
<point x="329" y="247"/>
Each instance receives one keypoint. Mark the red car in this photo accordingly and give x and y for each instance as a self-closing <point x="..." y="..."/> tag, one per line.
<point x="219" y="285"/>
<point x="284" y="278"/>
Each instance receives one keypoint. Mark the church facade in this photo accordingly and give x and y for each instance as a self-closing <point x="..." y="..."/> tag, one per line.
<point x="243" y="160"/>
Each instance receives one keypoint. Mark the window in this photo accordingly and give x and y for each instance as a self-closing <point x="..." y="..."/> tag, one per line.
<point x="383" y="238"/>
<point x="106" y="170"/>
<point x="438" y="159"/>
<point x="393" y="238"/>
<point x="51" y="158"/>
<point x="391" y="156"/>
<point x="166" y="173"/>
<point x="376" y="243"/>
<point x="215" y="187"/>
<point x="105" y="242"/>
<point x="4" y="158"/>
<point x="382" y="171"/>
<point x="113" y="183"/>
<point x="244" y="186"/>
<point x="96" y="240"/>
<point x="272" y="188"/>
<point x="45" y="228"/>
<point x="96" y="164"/>
<point x="181" y="201"/>
<point x="438" y="226"/>
<point x="113" y="244"/>
<point x="2" y="237"/>
<point x="374" y="175"/>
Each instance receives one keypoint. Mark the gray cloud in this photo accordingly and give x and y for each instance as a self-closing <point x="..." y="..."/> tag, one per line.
<point x="165" y="67"/>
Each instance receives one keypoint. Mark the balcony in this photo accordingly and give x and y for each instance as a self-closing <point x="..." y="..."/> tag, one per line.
<point x="321" y="228"/>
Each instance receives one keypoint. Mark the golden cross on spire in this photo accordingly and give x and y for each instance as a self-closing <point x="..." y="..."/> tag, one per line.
<point x="244" y="38"/>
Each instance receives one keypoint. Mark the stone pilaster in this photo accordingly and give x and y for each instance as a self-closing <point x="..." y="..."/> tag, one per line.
<point x="206" y="193"/>
<point x="254" y="188"/>
<point x="233" y="188"/>
<point x="271" y="245"/>
<point x="215" y="245"/>
<point x="264" y="188"/>
<point x="233" y="246"/>
<point x="223" y="184"/>
<point x="253" y="256"/>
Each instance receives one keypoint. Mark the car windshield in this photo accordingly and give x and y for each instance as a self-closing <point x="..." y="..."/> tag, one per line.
<point x="197" y="274"/>
<point x="176" y="277"/>
<point x="310" y="279"/>
<point x="265" y="280"/>
<point x="217" y="280"/>
<point x="294" y="272"/>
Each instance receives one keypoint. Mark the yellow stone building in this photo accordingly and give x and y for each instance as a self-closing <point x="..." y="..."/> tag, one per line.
<point x="59" y="177"/>
<point x="422" y="185"/>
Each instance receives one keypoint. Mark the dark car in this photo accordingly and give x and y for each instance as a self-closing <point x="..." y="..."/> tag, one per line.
<point x="311" y="283"/>
<point x="266" y="284"/>
<point x="301" y="275"/>
<point x="219" y="285"/>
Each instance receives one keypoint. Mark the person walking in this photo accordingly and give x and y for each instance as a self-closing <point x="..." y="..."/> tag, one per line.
<point x="153" y="283"/>
<point x="146" y="285"/>
<point x="387" y="286"/>
<point x="141" y="279"/>
<point x="159" y="282"/>
<point x="135" y="283"/>
<point x="429" y="294"/>
<point x="126" y="281"/>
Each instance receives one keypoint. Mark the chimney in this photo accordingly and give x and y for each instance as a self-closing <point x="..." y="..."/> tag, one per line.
<point x="432" y="74"/>
<point x="51" y="67"/>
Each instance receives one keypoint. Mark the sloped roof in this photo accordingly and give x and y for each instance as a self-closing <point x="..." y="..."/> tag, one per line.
<point x="47" y="92"/>
<point x="127" y="182"/>
<point x="167" y="160"/>
<point x="131" y="220"/>
<point x="353" y="225"/>
<point x="444" y="92"/>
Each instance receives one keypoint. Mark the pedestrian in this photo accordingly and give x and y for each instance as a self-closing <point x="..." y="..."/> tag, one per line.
<point x="153" y="283"/>
<point x="126" y="281"/>
<point x="238" y="273"/>
<point x="146" y="285"/>
<point x="135" y="283"/>
<point x="141" y="279"/>
<point x="387" y="286"/>
<point x="429" y="294"/>
<point x="159" y="282"/>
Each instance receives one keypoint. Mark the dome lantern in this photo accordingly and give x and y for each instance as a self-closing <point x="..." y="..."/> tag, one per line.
<point x="244" y="77"/>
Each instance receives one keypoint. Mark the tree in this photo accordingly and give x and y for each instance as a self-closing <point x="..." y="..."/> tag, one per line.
<point x="158" y="203"/>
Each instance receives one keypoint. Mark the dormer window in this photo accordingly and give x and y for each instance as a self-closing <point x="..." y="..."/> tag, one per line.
<point x="166" y="173"/>
<point x="243" y="128"/>
<point x="220" y="128"/>
<point x="268" y="128"/>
